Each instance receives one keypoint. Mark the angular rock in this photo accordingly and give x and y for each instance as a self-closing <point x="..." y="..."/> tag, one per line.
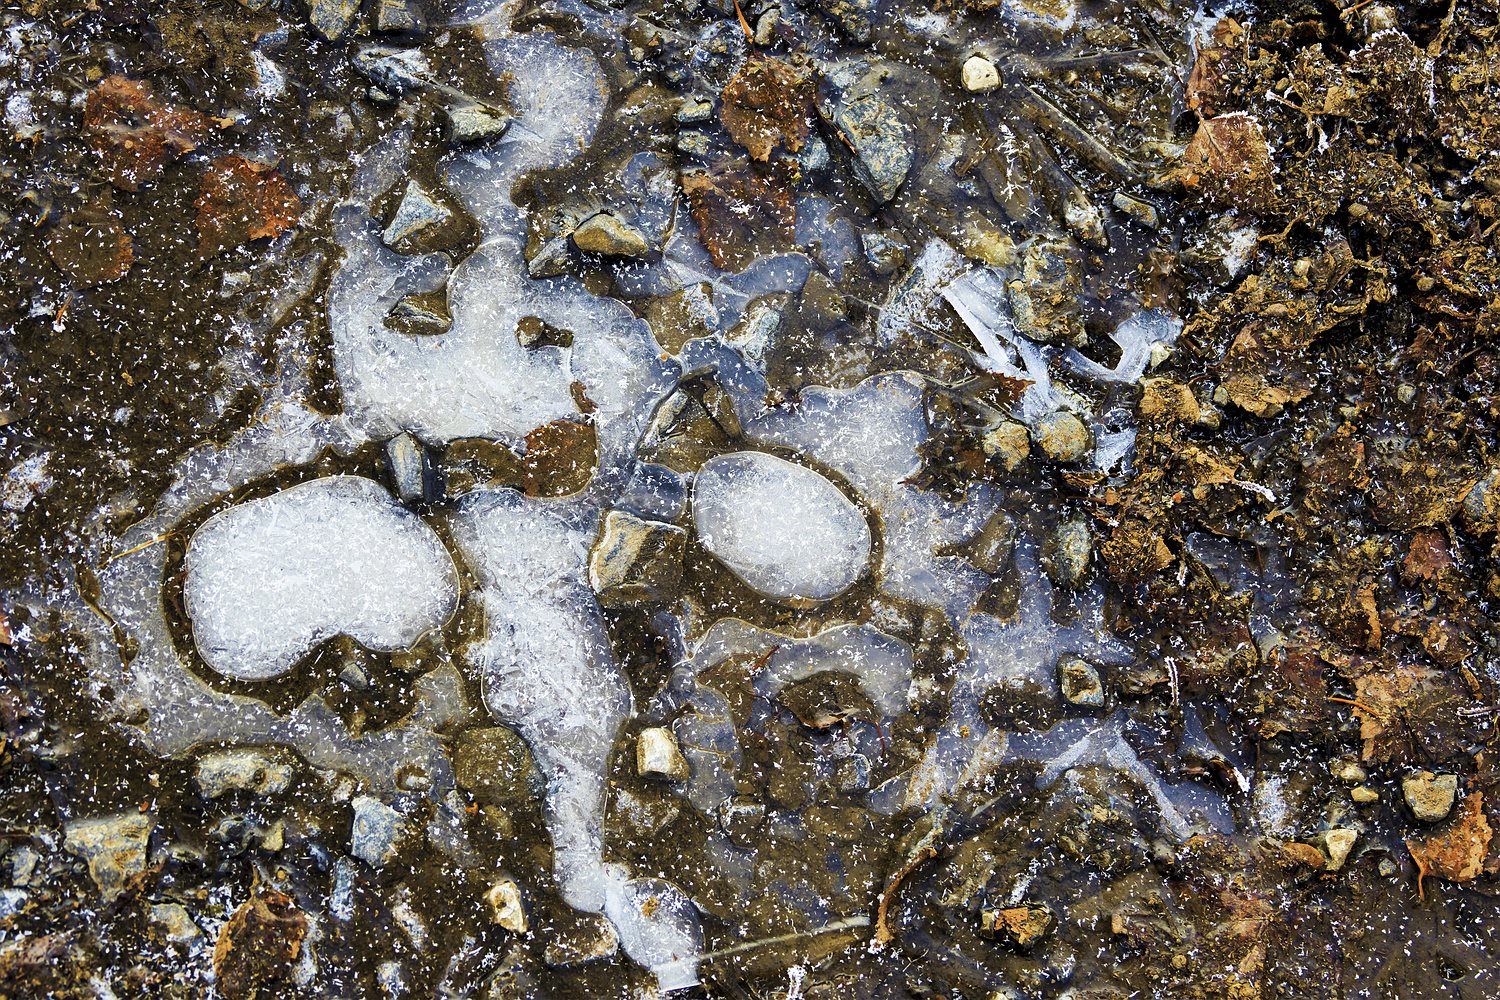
<point x="332" y="18"/>
<point x="418" y="217"/>
<point x="605" y="234"/>
<point x="114" y="847"/>
<point x="636" y="561"/>
<point x="377" y="832"/>
<point x="1079" y="682"/>
<point x="175" y="922"/>
<point x="259" y="945"/>
<point x="1021" y="926"/>
<point x="657" y="756"/>
<point x="1430" y="796"/>
<point x="1338" y="843"/>
<point x="395" y="71"/>
<point x="255" y="770"/>
<point x="421" y="314"/>
<point x="1067" y="554"/>
<point x="414" y="473"/>
<point x="507" y="909"/>
<point x="1009" y="444"/>
<point x="397" y="17"/>
<point x="878" y="134"/>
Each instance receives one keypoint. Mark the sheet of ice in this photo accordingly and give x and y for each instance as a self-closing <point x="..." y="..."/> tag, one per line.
<point x="870" y="434"/>
<point x="547" y="670"/>
<point x="1135" y="337"/>
<point x="781" y="527"/>
<point x="269" y="579"/>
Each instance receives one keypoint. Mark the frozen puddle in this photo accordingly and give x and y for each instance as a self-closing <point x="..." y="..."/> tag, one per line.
<point x="784" y="529"/>
<point x="270" y="579"/>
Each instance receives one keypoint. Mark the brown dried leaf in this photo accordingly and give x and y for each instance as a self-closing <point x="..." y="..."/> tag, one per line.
<point x="91" y="247"/>
<point x="768" y="103"/>
<point x="134" y="134"/>
<point x="259" y="944"/>
<point x="1456" y="852"/>
<point x="560" y="458"/>
<point x="1216" y="60"/>
<point x="1380" y="698"/>
<point x="740" y="213"/>
<point x="1229" y="161"/>
<point x="239" y="201"/>
<point x="1428" y="558"/>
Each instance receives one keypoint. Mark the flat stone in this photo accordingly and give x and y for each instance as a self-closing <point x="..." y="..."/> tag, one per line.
<point x="979" y="75"/>
<point x="114" y="847"/>
<point x="421" y="314"/>
<point x="606" y="234"/>
<point x="1021" y="926"/>
<point x="657" y="756"/>
<point x="397" y="17"/>
<point x="473" y="122"/>
<point x="255" y="770"/>
<point x="1079" y="682"/>
<point x="413" y="472"/>
<point x="493" y="764"/>
<point x="877" y="134"/>
<point x="785" y="530"/>
<point x="377" y="831"/>
<point x="1430" y="796"/>
<point x="395" y="71"/>
<point x="636" y="561"/>
<point x="418" y="216"/>
<point x="1067" y="553"/>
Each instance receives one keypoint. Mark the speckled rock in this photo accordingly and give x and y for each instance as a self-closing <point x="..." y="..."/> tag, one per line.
<point x="1009" y="444"/>
<point x="418" y="216"/>
<point x="636" y="561"/>
<point x="1079" y="682"/>
<point x="114" y="847"/>
<point x="493" y="764"/>
<point x="332" y="18"/>
<point x="252" y="769"/>
<point x="1062" y="437"/>
<point x="377" y="832"/>
<point x="878" y="134"/>
<point x="1430" y="796"/>
<point x="606" y="234"/>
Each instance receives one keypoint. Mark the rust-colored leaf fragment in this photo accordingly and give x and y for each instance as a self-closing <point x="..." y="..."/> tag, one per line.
<point x="1229" y="161"/>
<point x="560" y="458"/>
<point x="1217" y="60"/>
<point x="259" y="944"/>
<point x="1456" y="852"/>
<point x="239" y="201"/>
<point x="740" y="213"/>
<point x="134" y="134"/>
<point x="91" y="247"/>
<point x="767" y="104"/>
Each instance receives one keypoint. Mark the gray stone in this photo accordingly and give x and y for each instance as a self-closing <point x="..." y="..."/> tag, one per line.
<point x="657" y="756"/>
<point x="255" y="770"/>
<point x="377" y="832"/>
<point x="332" y="18"/>
<point x="472" y="122"/>
<point x="1066" y="557"/>
<point x="492" y="764"/>
<point x="878" y="135"/>
<point x="175" y="921"/>
<point x="1062" y="437"/>
<point x="606" y="234"/>
<point x="1430" y="796"/>
<point x="114" y="847"/>
<point x="636" y="561"/>
<point x="1079" y="682"/>
<point x="418" y="216"/>
<point x="413" y="471"/>
<point x="395" y="71"/>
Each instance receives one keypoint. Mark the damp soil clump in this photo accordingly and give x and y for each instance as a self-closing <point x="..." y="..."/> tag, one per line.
<point x="1289" y="513"/>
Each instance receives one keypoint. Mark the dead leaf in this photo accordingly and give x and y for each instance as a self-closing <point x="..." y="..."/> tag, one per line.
<point x="767" y="104"/>
<point x="1457" y="852"/>
<point x="1428" y="558"/>
<point x="259" y="944"/>
<point x="1229" y="162"/>
<point x="135" y="135"/>
<point x="740" y="213"/>
<point x="1379" y="699"/>
<point x="91" y="247"/>
<point x="239" y="201"/>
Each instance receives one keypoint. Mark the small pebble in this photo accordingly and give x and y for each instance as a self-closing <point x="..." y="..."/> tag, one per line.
<point x="980" y="75"/>
<point x="657" y="756"/>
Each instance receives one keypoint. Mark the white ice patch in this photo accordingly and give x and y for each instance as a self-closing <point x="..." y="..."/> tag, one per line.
<point x="782" y="528"/>
<point x="269" y="579"/>
<point x="547" y="670"/>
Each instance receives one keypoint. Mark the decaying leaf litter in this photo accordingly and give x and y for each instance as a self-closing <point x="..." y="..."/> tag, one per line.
<point x="1129" y="371"/>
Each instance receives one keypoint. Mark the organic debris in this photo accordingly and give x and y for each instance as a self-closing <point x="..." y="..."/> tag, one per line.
<point x="239" y="201"/>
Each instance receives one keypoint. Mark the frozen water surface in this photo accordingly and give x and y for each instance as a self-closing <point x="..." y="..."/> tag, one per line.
<point x="269" y="579"/>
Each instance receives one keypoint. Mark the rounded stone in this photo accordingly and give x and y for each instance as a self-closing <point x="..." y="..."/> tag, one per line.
<point x="1062" y="437"/>
<point x="979" y="75"/>
<point x="782" y="528"/>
